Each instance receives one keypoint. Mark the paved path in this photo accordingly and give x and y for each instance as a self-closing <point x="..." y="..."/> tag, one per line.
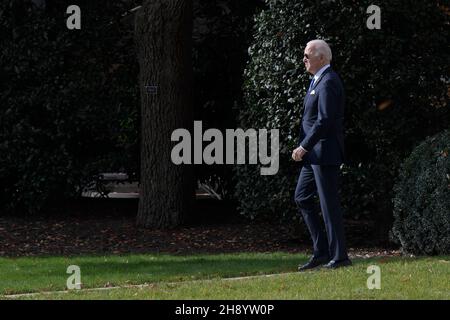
<point x="146" y="285"/>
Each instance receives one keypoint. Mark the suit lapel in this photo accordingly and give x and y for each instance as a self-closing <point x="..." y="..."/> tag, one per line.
<point x="315" y="85"/>
<point x="320" y="78"/>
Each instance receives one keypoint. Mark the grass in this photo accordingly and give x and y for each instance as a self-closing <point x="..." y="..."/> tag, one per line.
<point x="171" y="277"/>
<point x="33" y="274"/>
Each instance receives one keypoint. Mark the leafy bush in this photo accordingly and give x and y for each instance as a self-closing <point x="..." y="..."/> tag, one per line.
<point x="422" y="198"/>
<point x="68" y="103"/>
<point x="396" y="95"/>
<point x="221" y="34"/>
<point x="69" y="99"/>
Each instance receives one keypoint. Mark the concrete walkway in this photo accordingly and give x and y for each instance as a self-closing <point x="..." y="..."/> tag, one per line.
<point x="146" y="285"/>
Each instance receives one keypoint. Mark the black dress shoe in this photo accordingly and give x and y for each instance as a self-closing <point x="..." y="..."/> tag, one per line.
<point x="338" y="264"/>
<point x="313" y="263"/>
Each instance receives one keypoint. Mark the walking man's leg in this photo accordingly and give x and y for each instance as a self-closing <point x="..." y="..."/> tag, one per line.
<point x="327" y="181"/>
<point x="305" y="199"/>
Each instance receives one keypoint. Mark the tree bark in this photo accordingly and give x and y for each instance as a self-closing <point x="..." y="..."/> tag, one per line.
<point x="163" y="33"/>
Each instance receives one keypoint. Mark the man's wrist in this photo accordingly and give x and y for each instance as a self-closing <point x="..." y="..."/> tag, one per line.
<point x="301" y="147"/>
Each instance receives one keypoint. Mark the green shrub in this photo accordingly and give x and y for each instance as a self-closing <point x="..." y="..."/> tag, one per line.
<point x="422" y="198"/>
<point x="68" y="101"/>
<point x="396" y="95"/>
<point x="220" y="26"/>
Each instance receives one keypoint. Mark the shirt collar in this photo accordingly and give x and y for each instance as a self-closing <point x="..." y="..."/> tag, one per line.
<point x="319" y="73"/>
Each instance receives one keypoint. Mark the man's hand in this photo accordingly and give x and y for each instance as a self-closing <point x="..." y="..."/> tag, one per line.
<point x="298" y="154"/>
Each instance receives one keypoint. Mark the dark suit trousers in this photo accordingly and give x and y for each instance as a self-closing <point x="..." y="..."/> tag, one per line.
<point x="324" y="181"/>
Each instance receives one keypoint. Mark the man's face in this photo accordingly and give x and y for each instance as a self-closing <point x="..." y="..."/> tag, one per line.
<point x="312" y="63"/>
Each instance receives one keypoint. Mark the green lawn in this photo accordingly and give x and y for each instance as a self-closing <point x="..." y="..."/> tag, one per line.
<point x="171" y="277"/>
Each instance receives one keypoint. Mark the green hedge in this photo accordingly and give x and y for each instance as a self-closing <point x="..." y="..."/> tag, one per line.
<point x="422" y="198"/>
<point x="68" y="101"/>
<point x="222" y="32"/>
<point x="395" y="87"/>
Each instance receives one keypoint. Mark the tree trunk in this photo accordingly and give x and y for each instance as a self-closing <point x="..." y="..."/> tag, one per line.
<point x="164" y="43"/>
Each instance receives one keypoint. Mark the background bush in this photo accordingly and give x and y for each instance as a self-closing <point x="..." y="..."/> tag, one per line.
<point x="422" y="198"/>
<point x="68" y="106"/>
<point x="395" y="84"/>
<point x="222" y="34"/>
<point x="69" y="100"/>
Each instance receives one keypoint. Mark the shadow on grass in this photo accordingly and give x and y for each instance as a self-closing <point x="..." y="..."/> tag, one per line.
<point x="188" y="265"/>
<point x="35" y="274"/>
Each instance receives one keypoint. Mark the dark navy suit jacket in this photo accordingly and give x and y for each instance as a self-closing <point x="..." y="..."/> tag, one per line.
<point x="322" y="127"/>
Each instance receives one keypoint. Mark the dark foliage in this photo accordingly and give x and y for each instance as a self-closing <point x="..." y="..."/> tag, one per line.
<point x="422" y="198"/>
<point x="68" y="109"/>
<point x="222" y="34"/>
<point x="69" y="99"/>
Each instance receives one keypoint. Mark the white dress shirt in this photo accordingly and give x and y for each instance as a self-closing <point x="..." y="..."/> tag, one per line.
<point x="319" y="73"/>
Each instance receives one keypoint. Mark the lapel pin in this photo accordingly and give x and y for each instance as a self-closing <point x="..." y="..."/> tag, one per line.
<point x="313" y="92"/>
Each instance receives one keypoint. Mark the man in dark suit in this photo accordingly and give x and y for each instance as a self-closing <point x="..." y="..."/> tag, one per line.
<point x="321" y="150"/>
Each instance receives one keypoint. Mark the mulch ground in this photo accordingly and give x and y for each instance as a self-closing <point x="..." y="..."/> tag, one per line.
<point x="100" y="228"/>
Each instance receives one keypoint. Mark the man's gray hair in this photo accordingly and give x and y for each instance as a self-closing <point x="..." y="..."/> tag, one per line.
<point x="321" y="48"/>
